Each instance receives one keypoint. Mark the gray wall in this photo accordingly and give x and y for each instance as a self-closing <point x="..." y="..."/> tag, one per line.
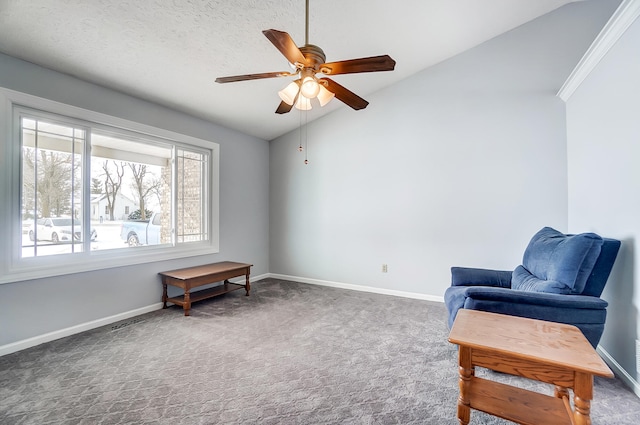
<point x="603" y="129"/>
<point x="457" y="165"/>
<point x="33" y="308"/>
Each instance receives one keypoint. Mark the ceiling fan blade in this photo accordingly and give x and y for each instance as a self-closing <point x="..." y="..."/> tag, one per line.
<point x="245" y="77"/>
<point x="371" y="64"/>
<point x="345" y="95"/>
<point x="283" y="108"/>
<point x="286" y="45"/>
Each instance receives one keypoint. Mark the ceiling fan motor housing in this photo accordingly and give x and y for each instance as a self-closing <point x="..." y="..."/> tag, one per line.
<point x="314" y="56"/>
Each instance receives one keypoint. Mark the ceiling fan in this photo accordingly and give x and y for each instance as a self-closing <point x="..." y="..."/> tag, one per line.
<point x="307" y="61"/>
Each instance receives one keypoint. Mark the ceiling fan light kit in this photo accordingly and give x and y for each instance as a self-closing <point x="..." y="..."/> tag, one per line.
<point x="307" y="61"/>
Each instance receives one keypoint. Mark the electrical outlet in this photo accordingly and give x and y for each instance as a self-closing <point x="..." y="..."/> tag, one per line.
<point x="384" y="268"/>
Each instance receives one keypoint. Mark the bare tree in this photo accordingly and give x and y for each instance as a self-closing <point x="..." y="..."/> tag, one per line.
<point x="52" y="188"/>
<point x="142" y="186"/>
<point x="112" y="184"/>
<point x="157" y="186"/>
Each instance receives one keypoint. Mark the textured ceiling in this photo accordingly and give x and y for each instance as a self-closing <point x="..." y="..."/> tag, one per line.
<point x="171" y="51"/>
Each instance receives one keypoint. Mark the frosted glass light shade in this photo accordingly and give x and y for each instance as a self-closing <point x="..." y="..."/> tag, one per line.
<point x="303" y="103"/>
<point x="324" y="95"/>
<point x="288" y="94"/>
<point x="310" y="87"/>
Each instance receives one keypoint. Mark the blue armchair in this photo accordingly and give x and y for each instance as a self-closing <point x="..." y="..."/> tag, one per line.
<point x="560" y="280"/>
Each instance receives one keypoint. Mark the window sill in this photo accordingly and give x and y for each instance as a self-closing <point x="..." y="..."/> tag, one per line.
<point x="61" y="265"/>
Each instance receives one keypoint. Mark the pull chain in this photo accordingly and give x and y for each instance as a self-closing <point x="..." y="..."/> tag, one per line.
<point x="306" y="135"/>
<point x="306" y="132"/>
<point x="300" y="130"/>
<point x="306" y="129"/>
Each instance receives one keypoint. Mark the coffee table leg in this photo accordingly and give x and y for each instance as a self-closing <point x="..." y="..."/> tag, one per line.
<point x="164" y="294"/>
<point x="465" y="369"/>
<point x="583" y="394"/>
<point x="247" y="286"/>
<point x="187" y="302"/>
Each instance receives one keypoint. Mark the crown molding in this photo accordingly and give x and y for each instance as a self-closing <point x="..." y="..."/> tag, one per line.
<point x="620" y="21"/>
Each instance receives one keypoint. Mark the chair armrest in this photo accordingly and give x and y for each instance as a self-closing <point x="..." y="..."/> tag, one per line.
<point x="513" y="296"/>
<point x="466" y="276"/>
<point x="585" y="312"/>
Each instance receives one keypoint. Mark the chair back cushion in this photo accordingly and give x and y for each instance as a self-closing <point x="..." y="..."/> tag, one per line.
<point x="557" y="263"/>
<point x="602" y="268"/>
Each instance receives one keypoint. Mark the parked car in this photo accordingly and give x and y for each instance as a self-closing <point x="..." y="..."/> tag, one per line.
<point x="142" y="232"/>
<point x="59" y="229"/>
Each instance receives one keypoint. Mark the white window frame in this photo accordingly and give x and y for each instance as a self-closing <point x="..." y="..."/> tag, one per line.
<point x="13" y="268"/>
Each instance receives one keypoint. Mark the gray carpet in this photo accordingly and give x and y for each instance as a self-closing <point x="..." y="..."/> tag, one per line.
<point x="290" y="353"/>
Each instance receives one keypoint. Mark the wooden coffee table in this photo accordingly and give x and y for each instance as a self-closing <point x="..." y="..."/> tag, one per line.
<point x="549" y="352"/>
<point x="192" y="277"/>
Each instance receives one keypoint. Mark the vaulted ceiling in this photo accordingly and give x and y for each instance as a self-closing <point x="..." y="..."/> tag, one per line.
<point x="171" y="51"/>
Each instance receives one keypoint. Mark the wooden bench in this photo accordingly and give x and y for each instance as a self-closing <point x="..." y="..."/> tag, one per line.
<point x="192" y="277"/>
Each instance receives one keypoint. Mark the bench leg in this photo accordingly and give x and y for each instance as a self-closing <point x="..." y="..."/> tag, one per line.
<point x="164" y="294"/>
<point x="187" y="302"/>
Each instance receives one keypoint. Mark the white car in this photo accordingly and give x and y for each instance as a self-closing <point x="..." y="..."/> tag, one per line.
<point x="59" y="229"/>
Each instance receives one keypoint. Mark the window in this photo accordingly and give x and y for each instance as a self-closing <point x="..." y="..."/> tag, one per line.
<point x="90" y="191"/>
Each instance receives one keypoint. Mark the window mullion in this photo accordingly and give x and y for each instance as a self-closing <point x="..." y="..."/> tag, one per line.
<point x="174" y="196"/>
<point x="35" y="189"/>
<point x="86" y="191"/>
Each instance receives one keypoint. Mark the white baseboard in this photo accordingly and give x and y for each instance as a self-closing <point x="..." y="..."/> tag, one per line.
<point x="362" y="288"/>
<point x="52" y="336"/>
<point x="619" y="371"/>
<point x="82" y="327"/>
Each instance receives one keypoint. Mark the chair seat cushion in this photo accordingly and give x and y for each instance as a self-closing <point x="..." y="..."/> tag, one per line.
<point x="557" y="263"/>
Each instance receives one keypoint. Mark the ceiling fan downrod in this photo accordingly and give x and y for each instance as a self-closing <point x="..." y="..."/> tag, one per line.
<point x="306" y="23"/>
